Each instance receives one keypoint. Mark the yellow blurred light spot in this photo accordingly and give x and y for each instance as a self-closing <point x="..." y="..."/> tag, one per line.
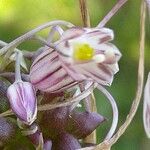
<point x="6" y="10"/>
<point x="83" y="52"/>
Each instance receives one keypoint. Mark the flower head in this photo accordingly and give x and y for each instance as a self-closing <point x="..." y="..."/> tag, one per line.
<point x="87" y="51"/>
<point x="82" y="53"/>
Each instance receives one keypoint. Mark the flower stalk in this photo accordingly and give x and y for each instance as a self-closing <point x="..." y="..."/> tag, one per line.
<point x="90" y="101"/>
<point x="17" y="68"/>
<point x="139" y="90"/>
<point x="84" y="13"/>
<point x="111" y="13"/>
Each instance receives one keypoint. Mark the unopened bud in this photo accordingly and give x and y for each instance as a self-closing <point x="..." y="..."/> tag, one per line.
<point x="23" y="101"/>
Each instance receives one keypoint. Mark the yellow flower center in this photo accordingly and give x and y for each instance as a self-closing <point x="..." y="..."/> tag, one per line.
<point x="83" y="52"/>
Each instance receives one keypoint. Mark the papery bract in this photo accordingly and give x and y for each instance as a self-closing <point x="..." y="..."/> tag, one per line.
<point x="22" y="98"/>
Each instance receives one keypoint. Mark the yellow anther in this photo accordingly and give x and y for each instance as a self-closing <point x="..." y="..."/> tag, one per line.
<point x="83" y="52"/>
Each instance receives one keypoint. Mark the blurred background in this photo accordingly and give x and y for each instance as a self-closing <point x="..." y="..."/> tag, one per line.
<point x="18" y="17"/>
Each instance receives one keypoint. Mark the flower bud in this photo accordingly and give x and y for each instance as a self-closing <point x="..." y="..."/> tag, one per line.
<point x="47" y="73"/>
<point x="23" y="101"/>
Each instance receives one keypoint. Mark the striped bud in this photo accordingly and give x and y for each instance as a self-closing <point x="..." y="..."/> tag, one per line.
<point x="47" y="73"/>
<point x="23" y="101"/>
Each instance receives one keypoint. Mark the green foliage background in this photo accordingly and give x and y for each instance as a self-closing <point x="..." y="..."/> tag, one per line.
<point x="19" y="16"/>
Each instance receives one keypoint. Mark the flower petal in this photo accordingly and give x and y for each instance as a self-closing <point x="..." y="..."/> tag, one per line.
<point x="94" y="37"/>
<point x="63" y="45"/>
<point x="99" y="36"/>
<point x="101" y="73"/>
<point x="110" y="51"/>
<point x="47" y="73"/>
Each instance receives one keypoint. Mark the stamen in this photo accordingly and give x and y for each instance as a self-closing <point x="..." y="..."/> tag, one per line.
<point x="99" y="58"/>
<point x="83" y="52"/>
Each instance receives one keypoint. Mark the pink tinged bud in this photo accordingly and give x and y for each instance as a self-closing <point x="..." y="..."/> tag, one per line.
<point x="146" y="107"/>
<point x="22" y="98"/>
<point x="47" y="73"/>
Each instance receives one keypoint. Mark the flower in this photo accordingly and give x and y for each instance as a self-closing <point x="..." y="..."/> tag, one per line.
<point x="81" y="53"/>
<point x="23" y="101"/>
<point x="146" y="107"/>
<point x="88" y="53"/>
<point x="47" y="73"/>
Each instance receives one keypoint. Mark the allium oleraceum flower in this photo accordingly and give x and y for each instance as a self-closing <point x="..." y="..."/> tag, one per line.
<point x="81" y="54"/>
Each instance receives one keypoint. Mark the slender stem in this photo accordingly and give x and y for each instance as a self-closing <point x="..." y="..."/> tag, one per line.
<point x="90" y="87"/>
<point x="70" y="101"/>
<point x="86" y="23"/>
<point x="111" y="13"/>
<point x="84" y="13"/>
<point x="53" y="31"/>
<point x="136" y="101"/>
<point x="2" y="43"/>
<point x="89" y="102"/>
<point x="92" y="137"/>
<point x="26" y="54"/>
<point x="11" y="75"/>
<point x="115" y="111"/>
<point x="43" y="41"/>
<point x="139" y="90"/>
<point x="86" y="101"/>
<point x="10" y="47"/>
<point x="17" y="67"/>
